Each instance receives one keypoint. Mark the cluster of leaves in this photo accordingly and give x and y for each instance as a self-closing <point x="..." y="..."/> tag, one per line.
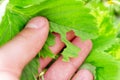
<point x="105" y="53"/>
<point x="65" y="15"/>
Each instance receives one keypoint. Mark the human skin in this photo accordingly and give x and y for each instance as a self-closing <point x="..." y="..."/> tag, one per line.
<point x="18" y="52"/>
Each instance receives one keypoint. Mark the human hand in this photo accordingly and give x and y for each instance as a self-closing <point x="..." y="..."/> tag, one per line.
<point x="24" y="47"/>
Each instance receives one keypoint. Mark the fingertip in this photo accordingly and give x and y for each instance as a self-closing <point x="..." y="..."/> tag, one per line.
<point x="78" y="41"/>
<point x="38" y="22"/>
<point x="88" y="43"/>
<point x="83" y="74"/>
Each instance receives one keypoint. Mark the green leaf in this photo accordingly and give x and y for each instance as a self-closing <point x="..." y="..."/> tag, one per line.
<point x="70" y="50"/>
<point x="115" y="50"/>
<point x="11" y="24"/>
<point x="73" y="15"/>
<point x="107" y="67"/>
<point x="107" y="35"/>
<point x="46" y="52"/>
<point x="31" y="70"/>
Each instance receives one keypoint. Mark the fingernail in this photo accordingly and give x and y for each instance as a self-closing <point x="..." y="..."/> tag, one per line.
<point x="37" y="23"/>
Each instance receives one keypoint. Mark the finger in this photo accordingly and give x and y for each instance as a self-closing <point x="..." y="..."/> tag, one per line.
<point x="55" y="49"/>
<point x="64" y="70"/>
<point x="20" y="50"/>
<point x="83" y="74"/>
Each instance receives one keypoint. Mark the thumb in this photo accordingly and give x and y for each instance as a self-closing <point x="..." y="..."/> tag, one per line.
<point x="24" y="47"/>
